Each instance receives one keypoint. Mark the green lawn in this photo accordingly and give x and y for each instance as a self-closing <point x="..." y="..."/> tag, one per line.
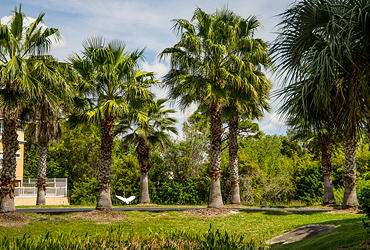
<point x="254" y="225"/>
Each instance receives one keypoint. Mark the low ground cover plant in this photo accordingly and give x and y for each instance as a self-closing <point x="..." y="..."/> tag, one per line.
<point x="117" y="238"/>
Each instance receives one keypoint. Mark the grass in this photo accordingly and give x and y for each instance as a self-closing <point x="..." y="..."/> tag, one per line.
<point x="257" y="226"/>
<point x="93" y="206"/>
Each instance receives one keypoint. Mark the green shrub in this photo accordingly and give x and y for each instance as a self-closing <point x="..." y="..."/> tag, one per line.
<point x="309" y="183"/>
<point x="364" y="201"/>
<point x="84" y="191"/>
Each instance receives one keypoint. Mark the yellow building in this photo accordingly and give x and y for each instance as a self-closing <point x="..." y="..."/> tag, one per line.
<point x="25" y="192"/>
<point x="19" y="155"/>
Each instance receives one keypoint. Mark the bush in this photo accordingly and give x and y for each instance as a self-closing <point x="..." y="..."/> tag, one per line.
<point x="84" y="191"/>
<point x="309" y="183"/>
<point x="364" y="201"/>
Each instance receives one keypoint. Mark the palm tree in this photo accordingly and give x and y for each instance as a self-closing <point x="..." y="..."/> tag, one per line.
<point x="21" y="48"/>
<point x="110" y="79"/>
<point x="45" y="128"/>
<point x="323" y="43"/>
<point x="248" y="97"/>
<point x="149" y="129"/>
<point x="203" y="63"/>
<point x="312" y="123"/>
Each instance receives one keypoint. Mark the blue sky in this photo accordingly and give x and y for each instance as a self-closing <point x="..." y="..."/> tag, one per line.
<point x="145" y="23"/>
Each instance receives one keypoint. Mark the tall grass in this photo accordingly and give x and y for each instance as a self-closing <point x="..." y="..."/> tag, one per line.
<point x="116" y="238"/>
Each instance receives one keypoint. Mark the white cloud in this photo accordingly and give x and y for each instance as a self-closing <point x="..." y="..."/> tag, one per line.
<point x="272" y="122"/>
<point x="160" y="69"/>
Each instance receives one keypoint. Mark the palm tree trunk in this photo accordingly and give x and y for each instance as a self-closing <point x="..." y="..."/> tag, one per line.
<point x="326" y="150"/>
<point x="215" y="197"/>
<point x="10" y="148"/>
<point x="233" y="159"/>
<point x="41" y="175"/>
<point x="104" y="200"/>
<point x="143" y="158"/>
<point x="350" y="179"/>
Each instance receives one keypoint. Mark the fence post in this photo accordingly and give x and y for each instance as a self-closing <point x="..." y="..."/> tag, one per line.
<point x="65" y="193"/>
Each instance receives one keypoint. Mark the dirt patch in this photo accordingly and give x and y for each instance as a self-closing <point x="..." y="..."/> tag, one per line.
<point x="211" y="212"/>
<point x="14" y="219"/>
<point x="101" y="216"/>
<point x="346" y="211"/>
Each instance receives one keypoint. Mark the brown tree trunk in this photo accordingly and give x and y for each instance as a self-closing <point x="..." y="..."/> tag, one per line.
<point x="142" y="151"/>
<point x="233" y="159"/>
<point x="215" y="197"/>
<point x="104" y="200"/>
<point x="41" y="175"/>
<point x="326" y="150"/>
<point x="10" y="148"/>
<point x="350" y="179"/>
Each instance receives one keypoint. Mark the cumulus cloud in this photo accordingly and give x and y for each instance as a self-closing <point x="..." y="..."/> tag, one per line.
<point x="273" y="122"/>
<point x="160" y="69"/>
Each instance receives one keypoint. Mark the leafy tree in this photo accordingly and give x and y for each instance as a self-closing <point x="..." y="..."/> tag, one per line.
<point x="44" y="111"/>
<point x="21" y="49"/>
<point x="324" y="45"/>
<point x="150" y="128"/>
<point x="203" y="63"/>
<point x="110" y="80"/>
<point x="248" y="96"/>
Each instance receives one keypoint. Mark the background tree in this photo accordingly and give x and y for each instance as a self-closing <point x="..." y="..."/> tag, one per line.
<point x="152" y="127"/>
<point x="44" y="111"/>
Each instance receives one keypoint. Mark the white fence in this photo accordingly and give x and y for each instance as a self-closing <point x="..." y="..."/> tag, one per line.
<point x="56" y="187"/>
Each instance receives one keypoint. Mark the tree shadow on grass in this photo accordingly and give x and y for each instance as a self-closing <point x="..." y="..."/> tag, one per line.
<point x="349" y="232"/>
<point x="279" y="212"/>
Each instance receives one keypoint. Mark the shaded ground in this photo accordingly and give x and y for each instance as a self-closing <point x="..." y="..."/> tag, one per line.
<point x="349" y="211"/>
<point x="362" y="246"/>
<point x="211" y="212"/>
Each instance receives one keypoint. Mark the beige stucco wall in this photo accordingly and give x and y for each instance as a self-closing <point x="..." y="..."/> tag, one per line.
<point x="49" y="201"/>
<point x="19" y="169"/>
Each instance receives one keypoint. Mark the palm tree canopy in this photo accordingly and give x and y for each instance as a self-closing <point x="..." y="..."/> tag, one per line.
<point x="321" y="52"/>
<point x="22" y="49"/>
<point x="209" y="55"/>
<point x="152" y="122"/>
<point x="110" y="78"/>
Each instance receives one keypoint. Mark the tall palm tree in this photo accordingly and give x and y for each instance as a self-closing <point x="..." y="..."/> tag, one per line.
<point x="110" y="79"/>
<point x="323" y="43"/>
<point x="148" y="129"/>
<point x="44" y="111"/>
<point x="248" y="97"/>
<point x="21" y="47"/>
<point x="312" y="122"/>
<point x="203" y="63"/>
